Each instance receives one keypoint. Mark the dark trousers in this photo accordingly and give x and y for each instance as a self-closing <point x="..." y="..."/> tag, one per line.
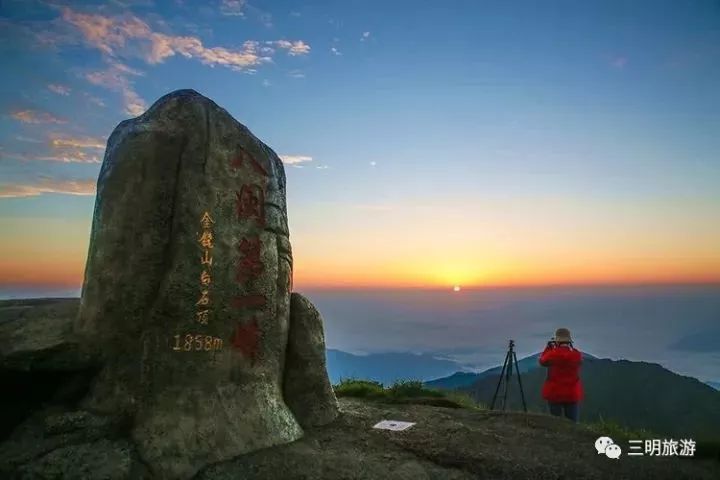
<point x="570" y="410"/>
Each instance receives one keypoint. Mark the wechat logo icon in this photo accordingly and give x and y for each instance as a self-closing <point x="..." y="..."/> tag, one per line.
<point x="608" y="447"/>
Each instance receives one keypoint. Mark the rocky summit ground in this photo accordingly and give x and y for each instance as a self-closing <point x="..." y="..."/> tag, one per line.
<point x="450" y="443"/>
<point x="47" y="434"/>
<point x="445" y="443"/>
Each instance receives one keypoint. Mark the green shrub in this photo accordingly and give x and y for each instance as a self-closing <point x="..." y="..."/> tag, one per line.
<point x="404" y="391"/>
<point x="352" y="387"/>
<point x="412" y="389"/>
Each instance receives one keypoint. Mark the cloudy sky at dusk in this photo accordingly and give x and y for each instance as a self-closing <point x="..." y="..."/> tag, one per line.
<point x="426" y="143"/>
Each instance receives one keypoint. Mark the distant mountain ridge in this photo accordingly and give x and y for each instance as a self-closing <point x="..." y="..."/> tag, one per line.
<point x="465" y="379"/>
<point x="387" y="368"/>
<point x="715" y="385"/>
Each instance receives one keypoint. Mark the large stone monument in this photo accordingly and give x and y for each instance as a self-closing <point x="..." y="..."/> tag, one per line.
<point x="187" y="296"/>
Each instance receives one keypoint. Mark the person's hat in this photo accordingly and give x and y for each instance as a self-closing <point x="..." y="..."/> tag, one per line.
<point x="562" y="335"/>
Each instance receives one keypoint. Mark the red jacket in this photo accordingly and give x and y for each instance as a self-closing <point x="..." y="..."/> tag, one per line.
<point x="563" y="379"/>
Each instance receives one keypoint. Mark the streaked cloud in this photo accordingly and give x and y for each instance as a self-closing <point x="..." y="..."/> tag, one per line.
<point x="36" y="116"/>
<point x="129" y="35"/>
<point x="296" y="74"/>
<point x="60" y="156"/>
<point x="97" y="101"/>
<point x="293" y="48"/>
<point x="59" y="89"/>
<point x="125" y="36"/>
<point x="117" y="77"/>
<point x="64" y="149"/>
<point x="67" y="156"/>
<point x="335" y="51"/>
<point x="164" y="46"/>
<point x="234" y="8"/>
<point x="365" y="36"/>
<point x="45" y="186"/>
<point x="77" y="142"/>
<point x="295" y="160"/>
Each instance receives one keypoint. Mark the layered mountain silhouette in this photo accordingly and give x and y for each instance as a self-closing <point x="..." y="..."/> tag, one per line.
<point x="387" y="368"/>
<point x="465" y="379"/>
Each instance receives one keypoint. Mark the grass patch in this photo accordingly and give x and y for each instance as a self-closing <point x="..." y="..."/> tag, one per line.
<point x="359" y="389"/>
<point x="405" y="392"/>
<point x="612" y="429"/>
<point x="411" y="389"/>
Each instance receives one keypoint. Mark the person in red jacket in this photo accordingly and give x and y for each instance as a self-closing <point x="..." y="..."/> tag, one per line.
<point x="562" y="389"/>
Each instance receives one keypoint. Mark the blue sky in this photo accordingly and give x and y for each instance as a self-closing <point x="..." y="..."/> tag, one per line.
<point x="567" y="116"/>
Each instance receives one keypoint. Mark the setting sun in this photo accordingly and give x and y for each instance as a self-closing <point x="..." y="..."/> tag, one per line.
<point x="456" y="288"/>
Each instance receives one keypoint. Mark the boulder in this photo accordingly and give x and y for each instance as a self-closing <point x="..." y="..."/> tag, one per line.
<point x="306" y="385"/>
<point x="41" y="361"/>
<point x="38" y="335"/>
<point x="187" y="292"/>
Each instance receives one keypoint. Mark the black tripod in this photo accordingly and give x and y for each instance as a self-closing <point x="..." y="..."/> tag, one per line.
<point x="506" y="373"/>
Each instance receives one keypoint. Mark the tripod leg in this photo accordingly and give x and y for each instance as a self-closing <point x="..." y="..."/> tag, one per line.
<point x="522" y="393"/>
<point x="508" y="374"/>
<point x="497" y="389"/>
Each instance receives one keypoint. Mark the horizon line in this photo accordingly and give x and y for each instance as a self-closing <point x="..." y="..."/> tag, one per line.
<point x="369" y="288"/>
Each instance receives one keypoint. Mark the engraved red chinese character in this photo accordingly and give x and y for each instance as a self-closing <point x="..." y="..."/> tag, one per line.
<point x="250" y="265"/>
<point x="246" y="338"/>
<point x="251" y="203"/>
<point x="243" y="158"/>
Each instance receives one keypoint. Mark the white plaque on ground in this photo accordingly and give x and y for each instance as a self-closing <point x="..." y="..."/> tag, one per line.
<point x="394" y="425"/>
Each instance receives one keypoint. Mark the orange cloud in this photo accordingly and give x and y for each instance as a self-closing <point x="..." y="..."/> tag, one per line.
<point x="34" y="116"/>
<point x="78" y="142"/>
<point x="62" y="156"/>
<point x="68" y="187"/>
<point x="112" y="35"/>
<point x="129" y="35"/>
